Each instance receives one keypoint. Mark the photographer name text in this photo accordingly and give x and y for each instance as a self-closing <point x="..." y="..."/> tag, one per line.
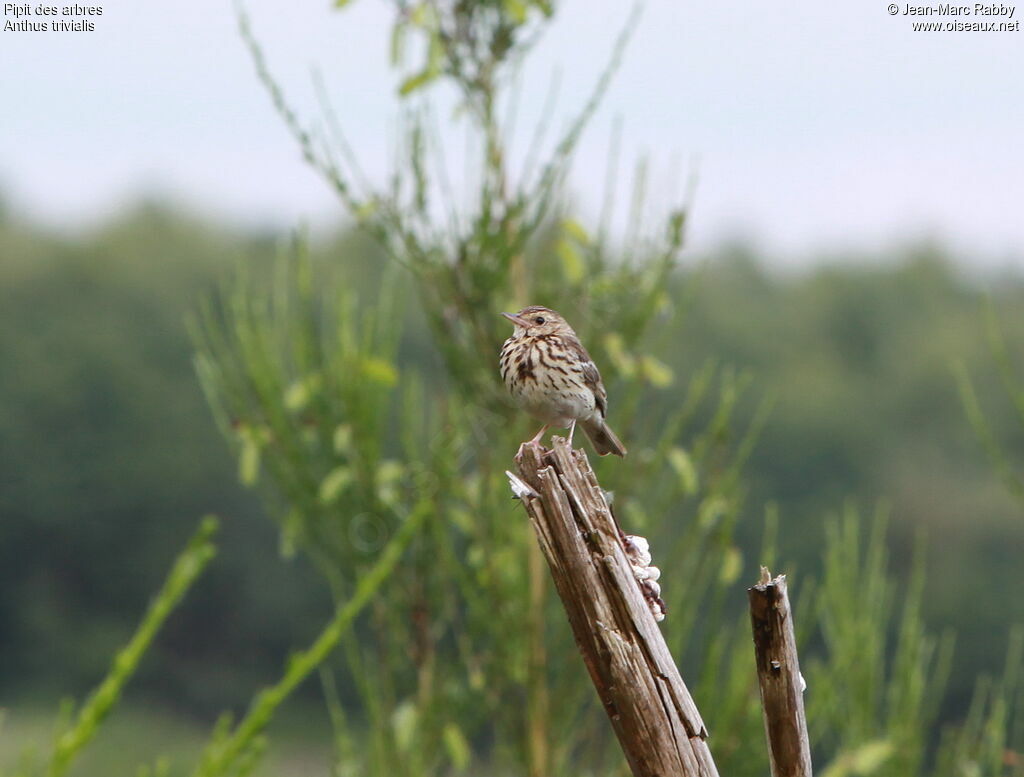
<point x="946" y="9"/>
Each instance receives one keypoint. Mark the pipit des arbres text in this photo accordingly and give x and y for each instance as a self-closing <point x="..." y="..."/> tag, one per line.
<point x="552" y="377"/>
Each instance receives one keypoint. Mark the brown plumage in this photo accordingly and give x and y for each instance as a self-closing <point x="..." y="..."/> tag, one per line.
<point x="552" y="377"/>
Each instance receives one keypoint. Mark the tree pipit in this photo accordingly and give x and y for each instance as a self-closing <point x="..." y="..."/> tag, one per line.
<point x="552" y="377"/>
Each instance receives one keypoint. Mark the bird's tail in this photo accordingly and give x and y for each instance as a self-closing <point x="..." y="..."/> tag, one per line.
<point x="602" y="437"/>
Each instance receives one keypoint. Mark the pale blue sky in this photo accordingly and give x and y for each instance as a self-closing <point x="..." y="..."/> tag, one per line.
<point x="816" y="125"/>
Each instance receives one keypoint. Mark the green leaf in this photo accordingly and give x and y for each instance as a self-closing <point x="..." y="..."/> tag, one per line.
<point x="638" y="517"/>
<point x="397" y="48"/>
<point x="298" y="394"/>
<point x="572" y="260"/>
<point x="389" y="473"/>
<point x="516" y="9"/>
<point x="863" y="761"/>
<point x="869" y="757"/>
<point x="332" y="486"/>
<point x="710" y="511"/>
<point x="419" y="15"/>
<point x="657" y="372"/>
<point x="662" y="301"/>
<point x="435" y="53"/>
<point x="291" y="530"/>
<point x="616" y="349"/>
<point x="732" y="565"/>
<point x="390" y="470"/>
<point x="456" y="745"/>
<point x="404" y="720"/>
<point x="417" y="81"/>
<point x="343" y="439"/>
<point x="684" y="467"/>
<point x="676" y="225"/>
<point x="248" y="457"/>
<point x="379" y="371"/>
<point x="461" y="518"/>
<point x="576" y="231"/>
<point x="367" y="208"/>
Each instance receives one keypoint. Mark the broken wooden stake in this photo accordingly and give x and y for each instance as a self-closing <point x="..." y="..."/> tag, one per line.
<point x="778" y="673"/>
<point x="652" y="712"/>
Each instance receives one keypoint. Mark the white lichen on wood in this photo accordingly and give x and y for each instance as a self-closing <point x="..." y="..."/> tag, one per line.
<point x="638" y="551"/>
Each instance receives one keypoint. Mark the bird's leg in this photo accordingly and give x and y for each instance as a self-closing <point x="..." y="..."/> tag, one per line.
<point x="572" y="428"/>
<point x="536" y="437"/>
<point x="534" y="441"/>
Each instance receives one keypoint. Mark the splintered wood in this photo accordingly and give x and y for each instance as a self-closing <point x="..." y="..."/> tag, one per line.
<point x="652" y="712"/>
<point x="778" y="672"/>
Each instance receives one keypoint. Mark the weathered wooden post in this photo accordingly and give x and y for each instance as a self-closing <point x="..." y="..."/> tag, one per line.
<point x="652" y="712"/>
<point x="778" y="673"/>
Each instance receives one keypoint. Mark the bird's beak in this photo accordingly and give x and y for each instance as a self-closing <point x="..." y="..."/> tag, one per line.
<point x="516" y="320"/>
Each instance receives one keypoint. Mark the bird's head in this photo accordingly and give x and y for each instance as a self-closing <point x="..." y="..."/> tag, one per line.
<point x="536" y="321"/>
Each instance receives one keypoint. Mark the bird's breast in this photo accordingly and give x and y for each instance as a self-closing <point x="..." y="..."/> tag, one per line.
<point x="545" y="380"/>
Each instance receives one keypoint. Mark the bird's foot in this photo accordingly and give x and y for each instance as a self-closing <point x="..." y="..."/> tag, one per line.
<point x="534" y="441"/>
<point x="522" y="447"/>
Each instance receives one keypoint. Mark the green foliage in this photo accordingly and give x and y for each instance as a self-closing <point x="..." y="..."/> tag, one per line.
<point x="995" y="720"/>
<point x="1014" y="392"/>
<point x="470" y="42"/>
<point x="351" y="444"/>
<point x="71" y="738"/>
<point x="881" y="675"/>
<point x="312" y="402"/>
<point x="237" y="751"/>
<point x="988" y="741"/>
<point x="106" y="449"/>
<point x="857" y="356"/>
<point x="496" y="254"/>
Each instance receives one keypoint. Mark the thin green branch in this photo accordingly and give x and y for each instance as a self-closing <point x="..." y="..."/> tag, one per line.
<point x="187" y="568"/>
<point x="555" y="168"/>
<point x="984" y="433"/>
<point x="222" y="757"/>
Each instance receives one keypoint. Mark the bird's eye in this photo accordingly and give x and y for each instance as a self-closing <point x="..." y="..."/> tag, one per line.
<point x="539" y="319"/>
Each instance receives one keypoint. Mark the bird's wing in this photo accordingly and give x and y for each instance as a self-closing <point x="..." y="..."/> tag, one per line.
<point x="591" y="376"/>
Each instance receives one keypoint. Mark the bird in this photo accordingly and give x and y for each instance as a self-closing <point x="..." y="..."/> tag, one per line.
<point x="551" y="376"/>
